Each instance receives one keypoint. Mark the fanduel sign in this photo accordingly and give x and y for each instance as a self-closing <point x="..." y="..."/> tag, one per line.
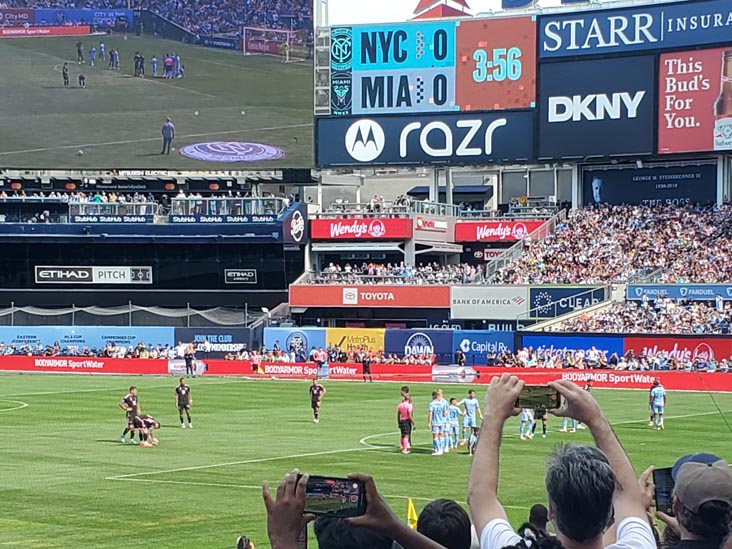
<point x="695" y="292"/>
<point x="653" y="27"/>
<point x="470" y="138"/>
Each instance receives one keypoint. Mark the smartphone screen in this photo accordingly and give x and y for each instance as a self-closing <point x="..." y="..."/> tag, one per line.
<point x="535" y="396"/>
<point x="664" y="490"/>
<point x="337" y="497"/>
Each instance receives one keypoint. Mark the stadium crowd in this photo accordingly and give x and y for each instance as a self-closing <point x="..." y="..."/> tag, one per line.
<point x="617" y="243"/>
<point x="665" y="316"/>
<point x="595" y="498"/>
<point x="595" y="358"/>
<point x="204" y="17"/>
<point x="398" y="273"/>
<point x="139" y="350"/>
<point x="98" y="197"/>
<point x="334" y="353"/>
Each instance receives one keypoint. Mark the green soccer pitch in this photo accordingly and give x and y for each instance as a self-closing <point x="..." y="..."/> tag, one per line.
<point x="116" y="120"/>
<point x="67" y="481"/>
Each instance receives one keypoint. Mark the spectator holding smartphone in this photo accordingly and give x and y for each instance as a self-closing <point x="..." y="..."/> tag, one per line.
<point x="587" y="487"/>
<point x="702" y="502"/>
<point x="286" y="519"/>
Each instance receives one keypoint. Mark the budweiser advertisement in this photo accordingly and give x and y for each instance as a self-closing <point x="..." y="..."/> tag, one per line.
<point x="695" y="101"/>
<point x="494" y="231"/>
<point x="373" y="228"/>
<point x="321" y="295"/>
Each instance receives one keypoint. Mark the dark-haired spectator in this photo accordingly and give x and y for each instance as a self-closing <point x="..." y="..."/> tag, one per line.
<point x="588" y="488"/>
<point x="445" y="522"/>
<point x="336" y="533"/>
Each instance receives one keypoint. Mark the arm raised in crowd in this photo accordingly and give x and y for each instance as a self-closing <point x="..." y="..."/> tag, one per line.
<point x="580" y="405"/>
<point x="499" y="405"/>
<point x="286" y="515"/>
<point x="381" y="519"/>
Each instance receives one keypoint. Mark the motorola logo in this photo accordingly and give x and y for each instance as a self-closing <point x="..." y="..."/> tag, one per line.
<point x="365" y="140"/>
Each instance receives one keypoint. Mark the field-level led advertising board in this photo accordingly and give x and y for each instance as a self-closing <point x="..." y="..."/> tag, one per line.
<point x="695" y="101"/>
<point x="430" y="67"/>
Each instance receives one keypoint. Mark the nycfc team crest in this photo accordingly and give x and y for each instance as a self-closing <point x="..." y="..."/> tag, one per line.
<point x="232" y="151"/>
<point x="365" y="140"/>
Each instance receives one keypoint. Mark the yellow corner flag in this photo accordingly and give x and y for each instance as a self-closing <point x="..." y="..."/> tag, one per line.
<point x="260" y="370"/>
<point x="411" y="515"/>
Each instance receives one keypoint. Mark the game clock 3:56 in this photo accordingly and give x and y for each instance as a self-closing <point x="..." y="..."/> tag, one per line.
<point x="503" y="64"/>
<point x="496" y="64"/>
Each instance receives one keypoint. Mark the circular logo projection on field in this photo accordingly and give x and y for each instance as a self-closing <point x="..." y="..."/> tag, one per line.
<point x="232" y="151"/>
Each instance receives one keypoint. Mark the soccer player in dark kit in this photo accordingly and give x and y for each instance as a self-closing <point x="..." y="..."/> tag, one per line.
<point x="317" y="392"/>
<point x="131" y="405"/>
<point x="183" y="402"/>
<point x="65" y="73"/>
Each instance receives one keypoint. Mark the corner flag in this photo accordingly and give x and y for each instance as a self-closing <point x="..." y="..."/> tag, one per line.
<point x="411" y="515"/>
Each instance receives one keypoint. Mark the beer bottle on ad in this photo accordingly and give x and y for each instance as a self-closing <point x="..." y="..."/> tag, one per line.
<point x="723" y="107"/>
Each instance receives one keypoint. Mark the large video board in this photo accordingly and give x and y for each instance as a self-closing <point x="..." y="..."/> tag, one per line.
<point x="429" y="67"/>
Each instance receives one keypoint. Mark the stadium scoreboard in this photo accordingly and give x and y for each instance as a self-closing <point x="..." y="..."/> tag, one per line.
<point x="432" y="67"/>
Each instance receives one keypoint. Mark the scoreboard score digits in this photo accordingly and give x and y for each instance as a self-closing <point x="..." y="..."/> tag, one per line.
<point x="424" y="67"/>
<point x="396" y="69"/>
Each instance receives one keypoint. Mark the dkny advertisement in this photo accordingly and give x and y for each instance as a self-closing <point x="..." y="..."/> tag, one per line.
<point x="652" y="186"/>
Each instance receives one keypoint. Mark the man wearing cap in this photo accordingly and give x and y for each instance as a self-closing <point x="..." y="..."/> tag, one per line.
<point x="702" y="501"/>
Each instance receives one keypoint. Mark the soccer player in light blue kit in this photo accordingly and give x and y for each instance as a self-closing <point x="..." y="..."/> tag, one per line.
<point x="454" y="414"/>
<point x="92" y="55"/>
<point x="469" y="421"/>
<point x="657" y="401"/>
<point x="102" y="49"/>
<point x="527" y="421"/>
<point x="446" y="425"/>
<point x="436" y="421"/>
<point x="154" y="62"/>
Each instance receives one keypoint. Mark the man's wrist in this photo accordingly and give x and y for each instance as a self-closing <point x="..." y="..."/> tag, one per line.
<point x="278" y="542"/>
<point x="598" y="423"/>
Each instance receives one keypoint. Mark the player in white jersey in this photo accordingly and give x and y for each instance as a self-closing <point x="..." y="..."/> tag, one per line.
<point x="527" y="421"/>
<point x="657" y="402"/>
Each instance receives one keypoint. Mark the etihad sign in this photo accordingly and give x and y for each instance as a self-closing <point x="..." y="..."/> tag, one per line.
<point x="361" y="229"/>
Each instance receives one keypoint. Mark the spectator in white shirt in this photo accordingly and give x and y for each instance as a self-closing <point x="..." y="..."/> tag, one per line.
<point x="587" y="487"/>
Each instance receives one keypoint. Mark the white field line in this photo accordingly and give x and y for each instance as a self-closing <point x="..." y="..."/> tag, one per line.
<point x="20" y="406"/>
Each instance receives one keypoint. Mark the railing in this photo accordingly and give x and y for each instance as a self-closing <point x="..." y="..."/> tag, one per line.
<point x="228" y="206"/>
<point x="365" y="209"/>
<point x="419" y="279"/>
<point x="114" y="208"/>
<point x="389" y="209"/>
<point x="435" y="208"/>
<point x="494" y="214"/>
<point x="514" y="252"/>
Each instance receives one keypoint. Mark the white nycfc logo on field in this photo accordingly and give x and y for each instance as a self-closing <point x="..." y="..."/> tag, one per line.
<point x="594" y="106"/>
<point x="365" y="140"/>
